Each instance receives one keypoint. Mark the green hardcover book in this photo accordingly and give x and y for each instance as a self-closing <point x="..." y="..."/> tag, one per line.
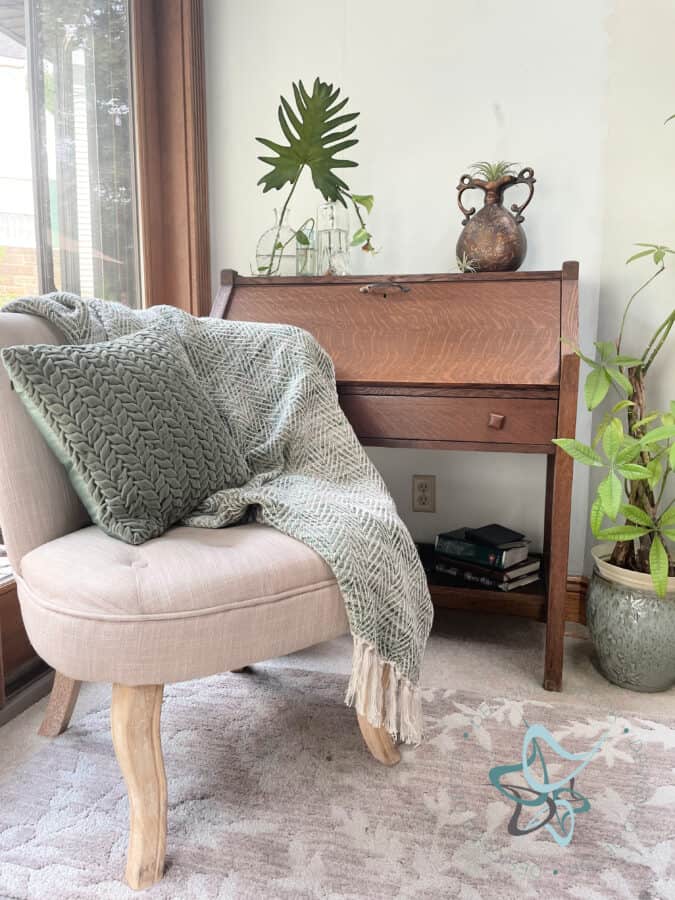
<point x="455" y="544"/>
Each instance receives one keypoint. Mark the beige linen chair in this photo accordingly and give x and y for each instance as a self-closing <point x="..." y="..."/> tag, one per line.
<point x="191" y="603"/>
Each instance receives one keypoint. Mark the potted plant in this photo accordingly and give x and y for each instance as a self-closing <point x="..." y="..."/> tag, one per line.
<point x="631" y="597"/>
<point x="314" y="136"/>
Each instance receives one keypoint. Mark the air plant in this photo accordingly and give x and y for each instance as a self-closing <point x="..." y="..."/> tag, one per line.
<point x="314" y="138"/>
<point x="494" y="171"/>
<point x="464" y="264"/>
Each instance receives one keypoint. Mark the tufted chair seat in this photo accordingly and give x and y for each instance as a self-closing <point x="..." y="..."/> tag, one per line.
<point x="191" y="603"/>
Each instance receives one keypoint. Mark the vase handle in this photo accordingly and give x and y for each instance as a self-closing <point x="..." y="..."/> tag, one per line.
<point x="466" y="182"/>
<point x="525" y="176"/>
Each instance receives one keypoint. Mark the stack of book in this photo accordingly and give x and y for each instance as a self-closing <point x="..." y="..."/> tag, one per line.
<point x="492" y="558"/>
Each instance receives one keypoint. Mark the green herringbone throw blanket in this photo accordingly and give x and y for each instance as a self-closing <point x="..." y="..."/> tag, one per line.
<point x="310" y="479"/>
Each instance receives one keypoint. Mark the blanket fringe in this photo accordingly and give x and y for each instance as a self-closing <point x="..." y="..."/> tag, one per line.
<point x="385" y="697"/>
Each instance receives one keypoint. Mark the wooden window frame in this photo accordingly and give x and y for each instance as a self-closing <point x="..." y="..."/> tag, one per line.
<point x="168" y="76"/>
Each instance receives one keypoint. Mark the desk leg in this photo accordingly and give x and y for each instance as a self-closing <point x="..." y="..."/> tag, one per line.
<point x="556" y="551"/>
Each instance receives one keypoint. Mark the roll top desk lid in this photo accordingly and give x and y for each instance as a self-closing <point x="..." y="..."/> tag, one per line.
<point x="422" y="330"/>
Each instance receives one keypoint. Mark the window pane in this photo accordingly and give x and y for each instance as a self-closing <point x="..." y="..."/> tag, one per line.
<point x="80" y="137"/>
<point x="18" y="259"/>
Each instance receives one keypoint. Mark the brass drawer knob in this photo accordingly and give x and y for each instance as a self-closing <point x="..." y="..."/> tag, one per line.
<point x="496" y="421"/>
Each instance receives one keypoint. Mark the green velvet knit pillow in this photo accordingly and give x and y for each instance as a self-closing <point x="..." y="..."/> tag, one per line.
<point x="142" y="442"/>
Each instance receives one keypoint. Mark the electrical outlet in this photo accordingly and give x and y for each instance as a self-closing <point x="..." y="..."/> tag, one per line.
<point x="424" y="493"/>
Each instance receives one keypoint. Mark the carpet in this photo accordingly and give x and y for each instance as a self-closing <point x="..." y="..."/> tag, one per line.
<point x="273" y="795"/>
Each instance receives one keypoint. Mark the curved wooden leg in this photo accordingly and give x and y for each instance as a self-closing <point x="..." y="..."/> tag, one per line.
<point x="379" y="742"/>
<point x="61" y="704"/>
<point x="135" y="719"/>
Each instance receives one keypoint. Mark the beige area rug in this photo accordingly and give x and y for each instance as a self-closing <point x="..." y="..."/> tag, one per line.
<point x="273" y="795"/>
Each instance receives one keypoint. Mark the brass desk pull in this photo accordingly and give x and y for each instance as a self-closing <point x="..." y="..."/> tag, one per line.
<point x="496" y="421"/>
<point x="381" y="287"/>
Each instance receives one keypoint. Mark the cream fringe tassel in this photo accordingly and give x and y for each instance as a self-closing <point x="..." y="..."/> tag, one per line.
<point x="396" y="705"/>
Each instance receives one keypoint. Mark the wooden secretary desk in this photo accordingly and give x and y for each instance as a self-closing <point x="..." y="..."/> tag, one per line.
<point x="459" y="362"/>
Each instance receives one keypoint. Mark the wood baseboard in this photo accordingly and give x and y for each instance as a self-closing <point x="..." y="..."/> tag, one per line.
<point x="575" y="602"/>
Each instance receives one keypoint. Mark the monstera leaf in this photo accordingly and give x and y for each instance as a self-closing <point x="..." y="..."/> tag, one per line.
<point x="313" y="140"/>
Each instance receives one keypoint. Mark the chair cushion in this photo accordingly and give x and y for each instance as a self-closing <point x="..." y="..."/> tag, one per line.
<point x="141" y="440"/>
<point x="193" y="602"/>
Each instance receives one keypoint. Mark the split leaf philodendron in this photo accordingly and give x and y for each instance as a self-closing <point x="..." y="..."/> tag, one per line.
<point x="634" y="446"/>
<point x="314" y="138"/>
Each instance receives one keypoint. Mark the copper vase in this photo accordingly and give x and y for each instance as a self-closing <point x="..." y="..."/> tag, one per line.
<point x="492" y="239"/>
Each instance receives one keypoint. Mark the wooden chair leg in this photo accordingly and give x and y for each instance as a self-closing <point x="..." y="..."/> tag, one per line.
<point x="62" y="700"/>
<point x="378" y="740"/>
<point x="135" y="731"/>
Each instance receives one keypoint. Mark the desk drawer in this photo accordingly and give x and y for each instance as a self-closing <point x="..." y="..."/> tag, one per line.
<point x="476" y="419"/>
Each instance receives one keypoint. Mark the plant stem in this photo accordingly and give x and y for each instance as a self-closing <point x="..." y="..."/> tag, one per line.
<point x="664" y="327"/>
<point x="281" y="221"/>
<point x="357" y="211"/>
<point x="628" y="305"/>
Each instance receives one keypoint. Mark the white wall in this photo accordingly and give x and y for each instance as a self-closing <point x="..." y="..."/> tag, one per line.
<point x="638" y="167"/>
<point x="440" y="85"/>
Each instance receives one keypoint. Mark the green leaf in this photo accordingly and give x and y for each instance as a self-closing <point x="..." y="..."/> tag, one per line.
<point x="596" y="387"/>
<point x="597" y="515"/>
<point x="668" y="517"/>
<point x="581" y="452"/>
<point x="360" y="237"/>
<point x="313" y="140"/>
<point x="627" y="454"/>
<point x="633" y="472"/>
<point x="606" y="349"/>
<point x="658" y="566"/>
<point x="602" y="428"/>
<point x="655" y="470"/>
<point x="628" y="361"/>
<point x="669" y="533"/>
<point x="302" y="238"/>
<point x="365" y="200"/>
<point x="636" y="515"/>
<point x="638" y="255"/>
<point x="622" y="533"/>
<point x="622" y="404"/>
<point x="612" y="438"/>
<point x="620" y="380"/>
<point x="671" y="457"/>
<point x="645" y="421"/>
<point x="662" y="433"/>
<point x="278" y="246"/>
<point x="610" y="492"/>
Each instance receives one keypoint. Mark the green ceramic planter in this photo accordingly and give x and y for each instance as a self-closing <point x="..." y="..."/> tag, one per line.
<point x="632" y="628"/>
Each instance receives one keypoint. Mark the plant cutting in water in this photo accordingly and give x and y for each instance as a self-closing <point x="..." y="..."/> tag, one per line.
<point x="314" y="138"/>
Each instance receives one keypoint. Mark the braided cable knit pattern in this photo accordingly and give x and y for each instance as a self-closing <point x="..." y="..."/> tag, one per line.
<point x="142" y="442"/>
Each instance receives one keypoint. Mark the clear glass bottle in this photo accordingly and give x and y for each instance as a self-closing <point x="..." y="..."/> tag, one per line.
<point x="270" y="258"/>
<point x="332" y="245"/>
<point x="305" y="260"/>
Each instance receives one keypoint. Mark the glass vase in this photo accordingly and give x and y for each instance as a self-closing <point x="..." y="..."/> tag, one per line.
<point x="305" y="260"/>
<point x="332" y="244"/>
<point x="275" y="253"/>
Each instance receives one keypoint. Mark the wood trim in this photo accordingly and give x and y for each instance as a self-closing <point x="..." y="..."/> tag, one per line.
<point x="558" y="523"/>
<point x="167" y="48"/>
<point x="523" y="604"/>
<point x="569" y="303"/>
<point x="475" y="277"/>
<point x="575" y="602"/>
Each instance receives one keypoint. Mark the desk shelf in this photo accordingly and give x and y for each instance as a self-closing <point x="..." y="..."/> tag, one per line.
<point x="528" y="603"/>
